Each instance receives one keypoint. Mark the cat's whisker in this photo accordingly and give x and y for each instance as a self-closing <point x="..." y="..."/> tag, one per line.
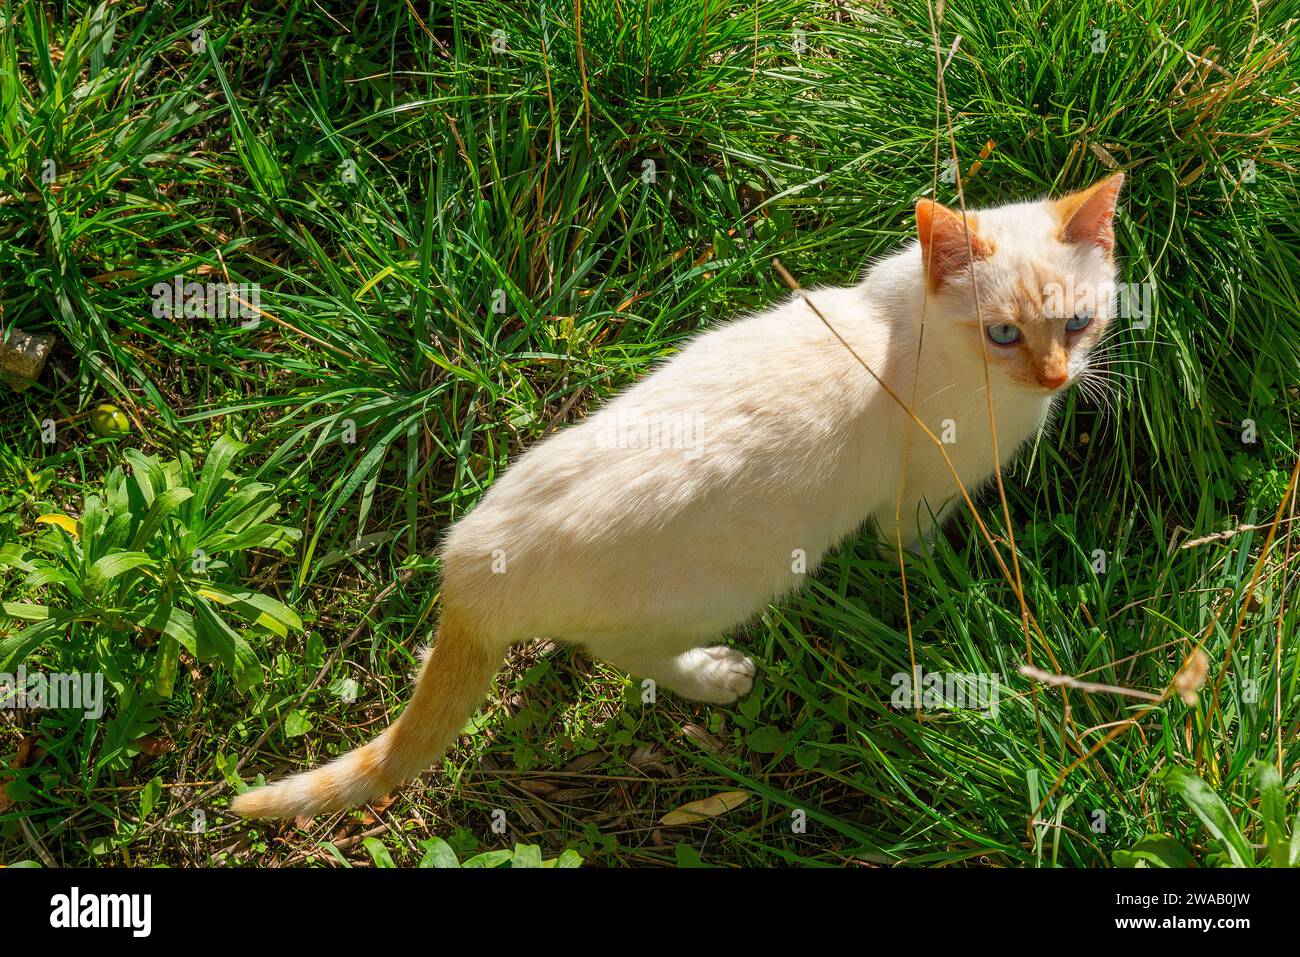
<point x="1100" y="387"/>
<point x="1116" y="372"/>
<point x="1118" y="361"/>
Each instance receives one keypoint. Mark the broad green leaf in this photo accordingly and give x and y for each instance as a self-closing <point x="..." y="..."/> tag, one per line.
<point x="489" y="859"/>
<point x="93" y="520"/>
<point x="162" y="506"/>
<point x="296" y="723"/>
<point x="25" y="612"/>
<point x="1214" y="814"/>
<point x="241" y="508"/>
<point x="336" y="853"/>
<point x="115" y="534"/>
<point x="15" y="649"/>
<point x="166" y="665"/>
<point x="768" y="739"/>
<point x="526" y="855"/>
<point x="261" y="536"/>
<point x="110" y="566"/>
<point x="149" y="795"/>
<point x="220" y="456"/>
<point x="222" y="535"/>
<point x="438" y="853"/>
<point x="1158" y="850"/>
<point x="227" y="644"/>
<point x="378" y="853"/>
<point x="48" y="574"/>
<point x="147" y="474"/>
<point x="116" y="495"/>
<point x="177" y="624"/>
<point x="15" y="556"/>
<point x="1272" y="808"/>
<point x="255" y="607"/>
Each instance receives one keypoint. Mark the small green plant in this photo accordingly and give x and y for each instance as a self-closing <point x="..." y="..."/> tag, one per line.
<point x="1231" y="847"/>
<point x="438" y="853"/>
<point x="150" y="568"/>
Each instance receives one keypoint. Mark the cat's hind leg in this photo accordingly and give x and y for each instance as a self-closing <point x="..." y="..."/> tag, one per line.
<point x="717" y="674"/>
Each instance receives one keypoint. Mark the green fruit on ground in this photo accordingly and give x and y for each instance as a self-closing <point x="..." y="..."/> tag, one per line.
<point x="109" y="421"/>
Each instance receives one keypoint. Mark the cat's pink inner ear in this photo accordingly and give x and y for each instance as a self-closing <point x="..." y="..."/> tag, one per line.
<point x="1088" y="216"/>
<point x="944" y="247"/>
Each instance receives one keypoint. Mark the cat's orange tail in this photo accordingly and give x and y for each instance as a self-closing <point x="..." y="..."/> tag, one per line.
<point x="456" y="675"/>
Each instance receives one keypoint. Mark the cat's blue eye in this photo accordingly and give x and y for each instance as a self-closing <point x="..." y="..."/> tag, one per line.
<point x="1004" y="333"/>
<point x="1078" y="323"/>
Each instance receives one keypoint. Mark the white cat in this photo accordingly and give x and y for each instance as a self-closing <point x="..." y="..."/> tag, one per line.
<point x="716" y="484"/>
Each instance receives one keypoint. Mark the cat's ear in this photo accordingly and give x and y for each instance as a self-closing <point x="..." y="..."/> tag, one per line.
<point x="1088" y="216"/>
<point x="944" y="248"/>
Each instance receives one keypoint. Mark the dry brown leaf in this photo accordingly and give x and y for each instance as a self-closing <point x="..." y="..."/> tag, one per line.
<point x="573" y="795"/>
<point x="705" y="808"/>
<point x="1192" y="676"/>
<point x="701" y="737"/>
<point x="378" y="806"/>
<point x="585" y="761"/>
<point x="26" y="749"/>
<point x="155" y="747"/>
<point x="541" y="788"/>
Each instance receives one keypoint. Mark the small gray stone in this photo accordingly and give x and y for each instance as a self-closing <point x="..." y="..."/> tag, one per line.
<point x="22" y="357"/>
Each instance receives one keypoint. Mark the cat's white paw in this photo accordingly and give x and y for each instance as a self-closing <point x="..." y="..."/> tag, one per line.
<point x="721" y="674"/>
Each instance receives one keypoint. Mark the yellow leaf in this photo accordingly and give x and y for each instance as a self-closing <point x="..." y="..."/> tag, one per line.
<point x="705" y="808"/>
<point x="373" y="281"/>
<point x="216" y="596"/>
<point x="64" y="522"/>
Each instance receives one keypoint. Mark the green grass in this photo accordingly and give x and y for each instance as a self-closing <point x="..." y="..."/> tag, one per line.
<point x="460" y="247"/>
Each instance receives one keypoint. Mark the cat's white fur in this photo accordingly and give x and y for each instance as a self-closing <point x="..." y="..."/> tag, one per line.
<point x="784" y="445"/>
<point x="717" y="483"/>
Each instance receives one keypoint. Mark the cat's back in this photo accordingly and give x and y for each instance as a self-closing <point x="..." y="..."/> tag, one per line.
<point x="753" y="409"/>
<point x="775" y="384"/>
<point x="749" y="441"/>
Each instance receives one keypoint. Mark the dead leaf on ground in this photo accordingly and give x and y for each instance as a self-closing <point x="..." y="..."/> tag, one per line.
<point x="585" y="761"/>
<point x="1192" y="676"/>
<point x="541" y="788"/>
<point x="701" y="737"/>
<point x="705" y="808"/>
<point x="155" y="747"/>
<point x="375" y="807"/>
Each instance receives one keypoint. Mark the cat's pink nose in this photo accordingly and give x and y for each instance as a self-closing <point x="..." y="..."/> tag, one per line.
<point x="1052" y="380"/>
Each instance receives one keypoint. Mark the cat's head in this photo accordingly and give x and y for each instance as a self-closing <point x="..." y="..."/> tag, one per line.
<point x="1046" y="278"/>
